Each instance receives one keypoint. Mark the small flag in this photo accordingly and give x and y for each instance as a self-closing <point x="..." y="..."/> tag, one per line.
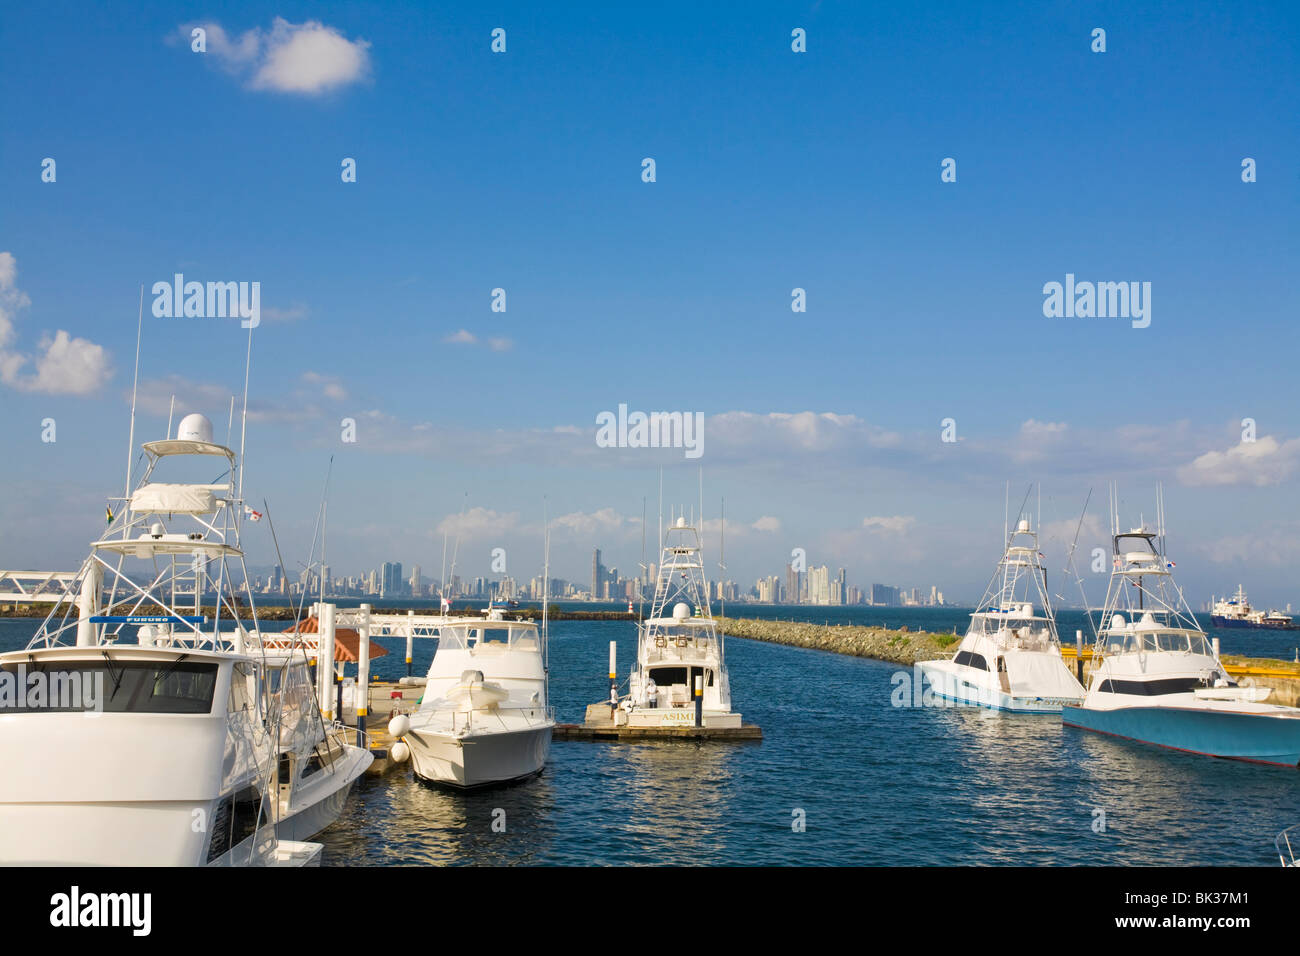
<point x="108" y="516"/>
<point x="253" y="515"/>
<point x="1172" y="565"/>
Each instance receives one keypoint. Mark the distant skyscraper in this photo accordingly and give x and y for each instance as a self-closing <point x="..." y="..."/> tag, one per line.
<point x="390" y="584"/>
<point x="597" y="574"/>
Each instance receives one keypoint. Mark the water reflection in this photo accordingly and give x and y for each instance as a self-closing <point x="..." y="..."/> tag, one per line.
<point x="400" y="820"/>
<point x="677" y="795"/>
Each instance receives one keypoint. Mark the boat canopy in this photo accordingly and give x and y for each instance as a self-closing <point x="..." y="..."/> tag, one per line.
<point x="168" y="498"/>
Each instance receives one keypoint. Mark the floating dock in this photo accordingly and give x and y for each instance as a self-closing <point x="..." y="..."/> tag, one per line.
<point x="610" y="732"/>
<point x="599" y="726"/>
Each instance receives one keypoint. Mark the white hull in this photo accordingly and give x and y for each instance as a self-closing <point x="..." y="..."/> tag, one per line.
<point x="319" y="803"/>
<point x="479" y="759"/>
<point x="967" y="685"/>
<point x="679" y="717"/>
<point x="138" y="833"/>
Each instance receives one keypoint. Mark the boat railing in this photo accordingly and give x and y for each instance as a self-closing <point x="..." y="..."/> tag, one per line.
<point x="1288" y="846"/>
<point x="464" y="719"/>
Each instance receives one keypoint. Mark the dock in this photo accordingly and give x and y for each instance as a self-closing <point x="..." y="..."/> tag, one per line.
<point x="599" y="726"/>
<point x="610" y="732"/>
<point x="385" y="697"/>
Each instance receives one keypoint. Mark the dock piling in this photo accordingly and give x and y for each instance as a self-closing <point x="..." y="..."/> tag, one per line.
<point x="363" y="674"/>
<point x="410" y="639"/>
<point x="699" y="700"/>
<point x="613" y="678"/>
<point x="1078" y="654"/>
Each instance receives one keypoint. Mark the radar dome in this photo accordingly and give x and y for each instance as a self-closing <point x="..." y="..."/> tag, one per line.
<point x="195" y="427"/>
<point x="681" y="611"/>
<point x="681" y="522"/>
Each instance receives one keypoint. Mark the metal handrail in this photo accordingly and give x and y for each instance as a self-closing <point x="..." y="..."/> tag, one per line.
<point x="1285" y="838"/>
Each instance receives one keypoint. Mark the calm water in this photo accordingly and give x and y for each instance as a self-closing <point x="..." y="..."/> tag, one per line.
<point x="876" y="784"/>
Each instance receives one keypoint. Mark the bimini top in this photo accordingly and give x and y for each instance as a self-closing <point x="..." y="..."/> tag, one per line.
<point x="193" y="437"/>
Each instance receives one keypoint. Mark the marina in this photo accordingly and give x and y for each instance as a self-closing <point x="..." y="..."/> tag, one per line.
<point x="378" y="581"/>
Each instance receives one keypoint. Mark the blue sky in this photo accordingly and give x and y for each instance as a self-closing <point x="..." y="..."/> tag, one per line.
<point x="775" y="170"/>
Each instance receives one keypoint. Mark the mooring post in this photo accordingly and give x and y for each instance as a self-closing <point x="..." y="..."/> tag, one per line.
<point x="363" y="674"/>
<point x="326" y="674"/>
<point x="699" y="700"/>
<point x="410" y="639"/>
<point x="1078" y="654"/>
<point x="613" y="678"/>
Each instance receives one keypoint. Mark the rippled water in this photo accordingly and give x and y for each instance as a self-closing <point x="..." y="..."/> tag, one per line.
<point x="877" y="784"/>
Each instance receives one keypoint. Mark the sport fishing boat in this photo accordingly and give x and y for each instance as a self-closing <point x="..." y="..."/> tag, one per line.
<point x="318" y="764"/>
<point x="1237" y="612"/>
<point x="681" y="664"/>
<point x="1010" y="657"/>
<point x="484" y="718"/>
<point x="160" y="748"/>
<point x="1159" y="679"/>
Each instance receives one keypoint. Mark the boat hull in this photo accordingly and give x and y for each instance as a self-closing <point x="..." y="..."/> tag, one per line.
<point x="1232" y="735"/>
<point x="321" y="804"/>
<point x="1253" y="625"/>
<point x="479" y="760"/>
<point x="960" y="685"/>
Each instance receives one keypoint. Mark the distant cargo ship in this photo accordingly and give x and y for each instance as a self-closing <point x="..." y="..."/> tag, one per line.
<point x="1237" y="612"/>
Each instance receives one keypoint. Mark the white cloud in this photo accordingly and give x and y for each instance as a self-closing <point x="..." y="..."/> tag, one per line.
<point x="292" y="314"/>
<point x="306" y="58"/>
<point x="585" y="525"/>
<point x="1265" y="461"/>
<point x="1037" y="440"/>
<point x="767" y="523"/>
<point x="478" y="521"/>
<point x="496" y="343"/>
<point x="66" y="365"/>
<point x="329" y="386"/>
<point x="888" y="524"/>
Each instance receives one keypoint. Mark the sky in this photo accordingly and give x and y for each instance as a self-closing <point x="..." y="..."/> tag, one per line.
<point x="774" y="170"/>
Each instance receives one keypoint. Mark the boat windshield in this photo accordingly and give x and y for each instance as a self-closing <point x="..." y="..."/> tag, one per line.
<point x="473" y="635"/>
<point x="1148" y="642"/>
<point x="118" y="687"/>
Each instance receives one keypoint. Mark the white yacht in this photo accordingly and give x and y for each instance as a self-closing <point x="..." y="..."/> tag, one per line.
<point x="161" y="745"/>
<point x="1159" y="680"/>
<point x="680" y="675"/>
<point x="484" y="718"/>
<point x="1010" y="658"/>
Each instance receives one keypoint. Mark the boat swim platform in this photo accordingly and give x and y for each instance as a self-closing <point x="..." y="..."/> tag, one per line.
<point x="599" y="726"/>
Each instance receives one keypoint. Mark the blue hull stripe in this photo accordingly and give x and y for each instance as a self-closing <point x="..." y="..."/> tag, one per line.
<point x="1234" y="736"/>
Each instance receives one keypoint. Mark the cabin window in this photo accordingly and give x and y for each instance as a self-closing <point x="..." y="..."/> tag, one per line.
<point x="971" y="660"/>
<point x="113" y="686"/>
<point x="666" y="676"/>
<point x="1152" y="688"/>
